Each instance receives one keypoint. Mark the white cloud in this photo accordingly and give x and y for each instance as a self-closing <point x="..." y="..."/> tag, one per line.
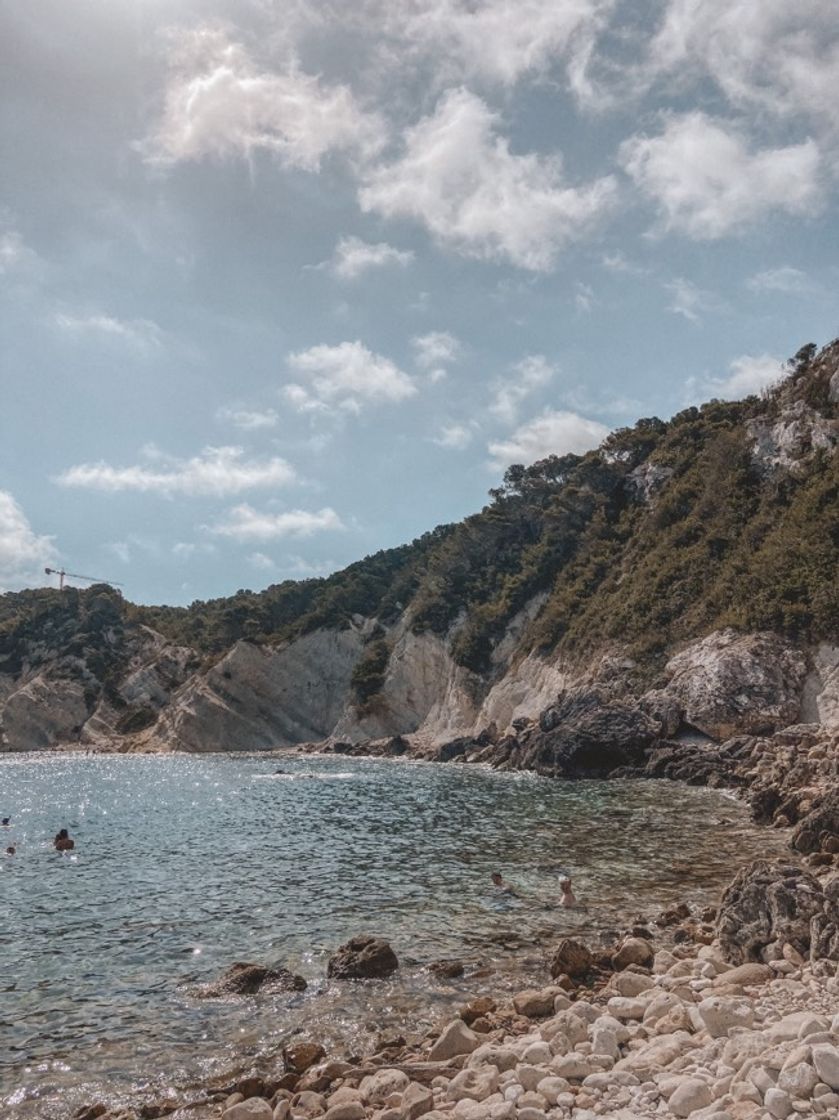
<point x="352" y="257"/>
<point x="220" y="103"/>
<point x="689" y="301"/>
<point x="23" y="553"/>
<point x="244" y="523"/>
<point x="454" y="437"/>
<point x="142" y="333"/>
<point x="749" y="374"/>
<point x="708" y="183"/>
<point x="583" y="297"/>
<point x="216" y="472"/>
<point x="552" y="433"/>
<point x="458" y="177"/>
<point x="526" y="377"/>
<point x="785" y="279"/>
<point x="345" y="377"/>
<point x="434" y="351"/>
<point x="501" y="40"/>
<point x="120" y="549"/>
<point x="261" y="562"/>
<point x="769" y="55"/>
<point x="248" y="420"/>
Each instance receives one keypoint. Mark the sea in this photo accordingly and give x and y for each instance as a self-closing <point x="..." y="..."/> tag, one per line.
<point x="185" y="864"/>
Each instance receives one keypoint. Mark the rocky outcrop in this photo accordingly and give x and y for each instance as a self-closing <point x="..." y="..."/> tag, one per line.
<point x="43" y="712"/>
<point x="362" y="958"/>
<point x="730" y="683"/>
<point x="786" y="441"/>
<point x="818" y="831"/>
<point x="772" y="905"/>
<point x="246" y="979"/>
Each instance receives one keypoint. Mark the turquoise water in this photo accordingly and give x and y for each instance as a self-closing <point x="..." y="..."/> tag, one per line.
<point x="185" y="864"/>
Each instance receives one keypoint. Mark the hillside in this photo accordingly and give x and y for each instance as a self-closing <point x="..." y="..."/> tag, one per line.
<point x="720" y="521"/>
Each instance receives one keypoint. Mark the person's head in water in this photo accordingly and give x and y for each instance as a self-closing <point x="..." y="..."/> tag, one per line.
<point x="62" y="835"/>
<point x="10" y="851"/>
<point x="6" y="822"/>
<point x="496" y="878"/>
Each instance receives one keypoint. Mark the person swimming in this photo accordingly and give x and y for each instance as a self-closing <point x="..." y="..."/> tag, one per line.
<point x="63" y="842"/>
<point x="501" y="885"/>
<point x="567" y="898"/>
<point x="6" y="821"/>
<point x="10" y="851"/>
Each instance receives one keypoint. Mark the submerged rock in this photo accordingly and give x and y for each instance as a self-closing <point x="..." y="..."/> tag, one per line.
<point x="246" y="979"/>
<point x="363" y="958"/>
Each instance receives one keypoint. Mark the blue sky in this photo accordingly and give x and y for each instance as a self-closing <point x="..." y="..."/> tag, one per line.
<point x="283" y="283"/>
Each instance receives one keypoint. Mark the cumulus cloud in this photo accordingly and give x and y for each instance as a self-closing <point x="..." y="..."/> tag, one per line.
<point x="552" y="433"/>
<point x="748" y="375"/>
<point x="458" y="178"/>
<point x="244" y="523"/>
<point x="216" y="472"/>
<point x="353" y="257"/>
<point x="435" y="351"/>
<point x="526" y="377"/>
<point x="248" y="420"/>
<point x="708" y="183"/>
<point x="23" y="553"/>
<point x="688" y="300"/>
<point x="785" y="279"/>
<point x="221" y="103"/>
<point x="773" y="55"/>
<point x="345" y="377"/>
<point x="502" y="40"/>
<point x="140" y="333"/>
<point x="454" y="437"/>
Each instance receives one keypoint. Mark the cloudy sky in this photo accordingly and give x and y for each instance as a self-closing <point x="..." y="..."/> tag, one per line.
<point x="283" y="282"/>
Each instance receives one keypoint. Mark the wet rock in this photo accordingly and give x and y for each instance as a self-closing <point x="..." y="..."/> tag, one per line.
<point x="535" y="1004"/>
<point x="362" y="958"/>
<point x="447" y="970"/>
<point x="571" y="959"/>
<point x="302" y="1056"/>
<point x="246" y="979"/>
<point x="90" y="1112"/>
<point x="767" y="902"/>
<point x="482" y="1006"/>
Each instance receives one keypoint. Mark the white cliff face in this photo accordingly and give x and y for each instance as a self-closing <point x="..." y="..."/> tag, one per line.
<point x="257" y="698"/>
<point x="42" y="713"/>
<point x="791" y="439"/>
<point x="730" y="683"/>
<point x="820" y="702"/>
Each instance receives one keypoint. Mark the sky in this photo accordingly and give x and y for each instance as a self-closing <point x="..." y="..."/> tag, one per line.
<point x="284" y="283"/>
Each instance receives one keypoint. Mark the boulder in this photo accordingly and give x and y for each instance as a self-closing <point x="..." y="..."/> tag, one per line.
<point x="377" y="1087"/>
<point x="362" y="958"/>
<point x="535" y="1004"/>
<point x="254" y="1109"/>
<point x="417" y="1101"/>
<point x="818" y="831"/>
<point x="633" y="951"/>
<point x="477" y="1009"/>
<point x="691" y="1095"/>
<point x="826" y="1061"/>
<point x="447" y="970"/>
<point x="767" y="902"/>
<point x="246" y="979"/>
<point x="302" y="1056"/>
<point x="719" y="1015"/>
<point x="571" y="959"/>
<point x="455" y="1039"/>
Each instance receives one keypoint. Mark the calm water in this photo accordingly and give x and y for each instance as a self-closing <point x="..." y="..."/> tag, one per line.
<point x="186" y="864"/>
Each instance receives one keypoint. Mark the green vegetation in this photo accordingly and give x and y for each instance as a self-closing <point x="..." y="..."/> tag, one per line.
<point x="668" y="531"/>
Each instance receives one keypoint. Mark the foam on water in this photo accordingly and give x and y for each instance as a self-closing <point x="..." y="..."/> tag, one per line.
<point x="185" y="864"/>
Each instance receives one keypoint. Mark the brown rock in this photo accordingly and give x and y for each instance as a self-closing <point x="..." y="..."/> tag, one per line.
<point x="634" y="950"/>
<point x="362" y="958"/>
<point x="570" y="959"/>
<point x="479" y="1007"/>
<point x="246" y="979"/>
<point x="447" y="970"/>
<point x="301" y="1056"/>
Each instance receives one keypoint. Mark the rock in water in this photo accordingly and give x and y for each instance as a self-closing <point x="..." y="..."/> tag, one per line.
<point x="571" y="959"/>
<point x="766" y="903"/>
<point x="302" y="1056"/>
<point x="363" y="958"/>
<point x="246" y="979"/>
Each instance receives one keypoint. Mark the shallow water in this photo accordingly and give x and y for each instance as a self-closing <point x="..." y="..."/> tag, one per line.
<point x="185" y="864"/>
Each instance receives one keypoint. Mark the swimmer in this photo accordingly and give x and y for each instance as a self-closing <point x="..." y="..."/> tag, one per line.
<point x="499" y="884"/>
<point x="6" y="821"/>
<point x="62" y="841"/>
<point x="567" y="898"/>
<point x="10" y="851"/>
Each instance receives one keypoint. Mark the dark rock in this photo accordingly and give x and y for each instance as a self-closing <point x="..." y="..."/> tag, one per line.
<point x="454" y="749"/>
<point x="571" y="959"/>
<point x="90" y="1112"/>
<point x="301" y="1056"/>
<point x="818" y="831"/>
<point x="478" y="1008"/>
<point x="673" y="915"/>
<point x="767" y="902"/>
<point x="250" y="1085"/>
<point x="246" y="979"/>
<point x="362" y="958"/>
<point x="447" y="970"/>
<point x="824" y="926"/>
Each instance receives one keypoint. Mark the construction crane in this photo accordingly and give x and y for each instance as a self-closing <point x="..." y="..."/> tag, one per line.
<point x="62" y="575"/>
